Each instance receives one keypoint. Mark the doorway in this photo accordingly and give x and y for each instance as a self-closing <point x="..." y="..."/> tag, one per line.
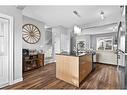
<point x="6" y="50"/>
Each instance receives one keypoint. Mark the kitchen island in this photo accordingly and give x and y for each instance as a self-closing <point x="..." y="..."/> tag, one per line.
<point x="73" y="68"/>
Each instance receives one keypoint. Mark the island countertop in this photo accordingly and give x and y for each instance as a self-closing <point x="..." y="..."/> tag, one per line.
<point x="74" y="55"/>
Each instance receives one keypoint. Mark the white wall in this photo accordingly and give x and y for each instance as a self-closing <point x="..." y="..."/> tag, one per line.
<point x="17" y="15"/>
<point x="40" y="25"/>
<point x="93" y="38"/>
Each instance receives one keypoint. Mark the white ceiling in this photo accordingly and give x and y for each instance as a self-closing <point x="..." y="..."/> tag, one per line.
<point x="63" y="15"/>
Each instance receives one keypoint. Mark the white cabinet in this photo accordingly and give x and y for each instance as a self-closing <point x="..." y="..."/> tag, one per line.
<point x="108" y="57"/>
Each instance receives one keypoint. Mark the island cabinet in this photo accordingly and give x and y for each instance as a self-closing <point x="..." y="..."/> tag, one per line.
<point x="73" y="69"/>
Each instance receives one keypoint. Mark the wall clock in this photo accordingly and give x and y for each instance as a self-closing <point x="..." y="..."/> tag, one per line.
<point x="31" y="34"/>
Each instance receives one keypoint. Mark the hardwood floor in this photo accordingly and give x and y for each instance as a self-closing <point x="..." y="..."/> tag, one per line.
<point x="103" y="77"/>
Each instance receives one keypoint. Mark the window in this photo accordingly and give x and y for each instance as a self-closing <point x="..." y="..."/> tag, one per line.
<point x="105" y="43"/>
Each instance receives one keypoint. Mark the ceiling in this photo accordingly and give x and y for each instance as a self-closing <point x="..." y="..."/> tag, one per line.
<point x="64" y="16"/>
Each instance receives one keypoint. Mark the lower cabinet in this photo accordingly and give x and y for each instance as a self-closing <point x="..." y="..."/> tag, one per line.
<point x="107" y="57"/>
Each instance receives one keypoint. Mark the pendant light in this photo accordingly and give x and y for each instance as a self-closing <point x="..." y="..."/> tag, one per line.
<point x="102" y="15"/>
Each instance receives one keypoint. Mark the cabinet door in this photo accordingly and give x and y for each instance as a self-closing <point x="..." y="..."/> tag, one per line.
<point x="59" y="67"/>
<point x="85" y="66"/>
<point x="41" y="59"/>
<point x="67" y="69"/>
<point x="71" y="70"/>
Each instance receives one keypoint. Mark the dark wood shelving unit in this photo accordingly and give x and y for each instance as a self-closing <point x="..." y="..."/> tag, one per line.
<point x="31" y="62"/>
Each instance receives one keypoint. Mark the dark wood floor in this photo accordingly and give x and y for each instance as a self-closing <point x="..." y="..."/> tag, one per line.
<point x="104" y="77"/>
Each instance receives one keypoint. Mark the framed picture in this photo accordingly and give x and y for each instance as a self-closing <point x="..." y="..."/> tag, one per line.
<point x="105" y="43"/>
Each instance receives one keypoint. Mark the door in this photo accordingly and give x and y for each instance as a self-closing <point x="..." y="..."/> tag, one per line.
<point x="4" y="66"/>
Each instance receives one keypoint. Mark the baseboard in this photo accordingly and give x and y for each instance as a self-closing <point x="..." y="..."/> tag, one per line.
<point x="17" y="80"/>
<point x="106" y="63"/>
<point x="4" y="85"/>
<point x="49" y="61"/>
<point x="110" y="64"/>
